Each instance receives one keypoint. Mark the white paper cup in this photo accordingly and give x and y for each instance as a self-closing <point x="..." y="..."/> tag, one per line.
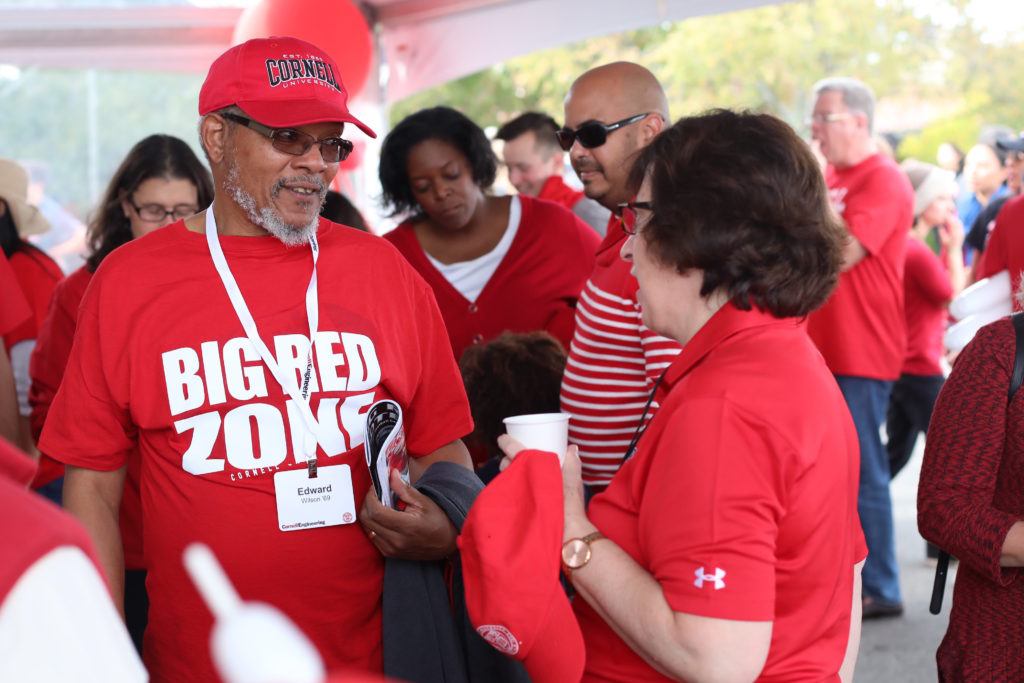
<point x="984" y="295"/>
<point x="541" y="431"/>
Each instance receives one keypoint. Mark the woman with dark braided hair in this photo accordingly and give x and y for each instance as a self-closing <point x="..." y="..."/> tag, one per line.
<point x="160" y="181"/>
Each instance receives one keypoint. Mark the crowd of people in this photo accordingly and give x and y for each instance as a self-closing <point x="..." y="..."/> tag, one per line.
<point x="730" y="348"/>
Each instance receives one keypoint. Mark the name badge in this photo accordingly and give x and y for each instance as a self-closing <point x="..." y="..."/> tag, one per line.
<point x="304" y="503"/>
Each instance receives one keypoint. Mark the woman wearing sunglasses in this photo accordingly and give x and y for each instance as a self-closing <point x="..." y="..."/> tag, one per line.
<point x="728" y="546"/>
<point x="495" y="264"/>
<point x="158" y="182"/>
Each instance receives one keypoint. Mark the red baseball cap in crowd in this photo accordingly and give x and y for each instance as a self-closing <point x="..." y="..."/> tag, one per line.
<point x="280" y="82"/>
<point x="511" y="550"/>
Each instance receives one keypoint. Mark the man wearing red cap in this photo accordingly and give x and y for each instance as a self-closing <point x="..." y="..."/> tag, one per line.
<point x="238" y="351"/>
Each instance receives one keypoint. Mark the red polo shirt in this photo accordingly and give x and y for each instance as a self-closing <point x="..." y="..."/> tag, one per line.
<point x="861" y="328"/>
<point x="1005" y="249"/>
<point x="742" y="499"/>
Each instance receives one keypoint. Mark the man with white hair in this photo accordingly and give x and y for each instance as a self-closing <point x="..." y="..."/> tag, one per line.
<point x="860" y="331"/>
<point x="237" y="352"/>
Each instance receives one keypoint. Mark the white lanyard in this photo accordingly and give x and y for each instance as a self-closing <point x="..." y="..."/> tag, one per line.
<point x="299" y="396"/>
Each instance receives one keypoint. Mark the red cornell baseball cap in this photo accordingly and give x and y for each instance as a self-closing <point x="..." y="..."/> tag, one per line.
<point x="280" y="82"/>
<point x="511" y="549"/>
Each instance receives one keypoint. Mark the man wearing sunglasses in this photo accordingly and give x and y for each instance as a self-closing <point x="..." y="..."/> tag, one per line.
<point x="238" y="351"/>
<point x="611" y="112"/>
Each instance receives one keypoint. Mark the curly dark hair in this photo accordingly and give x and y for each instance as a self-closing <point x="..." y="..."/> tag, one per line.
<point x="514" y="374"/>
<point x="741" y="197"/>
<point x="157" y="156"/>
<point x="437" y="123"/>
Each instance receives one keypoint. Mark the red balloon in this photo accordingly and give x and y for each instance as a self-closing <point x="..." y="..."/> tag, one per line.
<point x="335" y="26"/>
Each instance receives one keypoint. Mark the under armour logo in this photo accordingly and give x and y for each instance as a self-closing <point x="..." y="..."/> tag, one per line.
<point x="716" y="577"/>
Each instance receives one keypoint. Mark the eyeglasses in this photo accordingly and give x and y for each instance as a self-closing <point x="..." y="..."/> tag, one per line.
<point x="627" y="210"/>
<point x="828" y="117"/>
<point x="593" y="133"/>
<point x="297" y="143"/>
<point x="156" y="213"/>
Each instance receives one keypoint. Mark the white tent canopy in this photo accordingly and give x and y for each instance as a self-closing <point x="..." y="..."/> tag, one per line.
<point x="422" y="42"/>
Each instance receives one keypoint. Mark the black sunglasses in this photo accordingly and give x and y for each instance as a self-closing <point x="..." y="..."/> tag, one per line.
<point x="627" y="210"/>
<point x="297" y="143"/>
<point x="592" y="133"/>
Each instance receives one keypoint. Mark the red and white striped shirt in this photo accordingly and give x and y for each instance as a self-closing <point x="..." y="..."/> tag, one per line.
<point x="613" y="363"/>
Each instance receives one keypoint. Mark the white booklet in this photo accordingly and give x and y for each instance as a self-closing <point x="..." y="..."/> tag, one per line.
<point x="385" y="449"/>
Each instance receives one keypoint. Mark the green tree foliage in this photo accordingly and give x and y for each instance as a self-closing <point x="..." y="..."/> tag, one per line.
<point x="769" y="58"/>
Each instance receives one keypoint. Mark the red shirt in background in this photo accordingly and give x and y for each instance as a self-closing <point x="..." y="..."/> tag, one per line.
<point x="555" y="190"/>
<point x="49" y="359"/>
<point x="161" y="364"/>
<point x="37" y="275"/>
<point x="927" y="292"/>
<point x="535" y="286"/>
<point x="741" y="505"/>
<point x="14" y="310"/>
<point x="861" y="328"/>
<point x="1005" y="247"/>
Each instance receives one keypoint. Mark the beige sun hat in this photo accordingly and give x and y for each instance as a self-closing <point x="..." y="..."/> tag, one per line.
<point x="14" y="192"/>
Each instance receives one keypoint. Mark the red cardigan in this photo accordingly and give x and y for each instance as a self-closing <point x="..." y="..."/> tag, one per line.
<point x="969" y="496"/>
<point x="534" y="288"/>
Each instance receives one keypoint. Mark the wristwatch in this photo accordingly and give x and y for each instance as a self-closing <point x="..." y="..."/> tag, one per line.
<point x="576" y="551"/>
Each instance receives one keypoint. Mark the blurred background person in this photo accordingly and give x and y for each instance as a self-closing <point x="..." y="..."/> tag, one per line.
<point x="36" y="273"/>
<point x="970" y="502"/>
<point x="513" y="374"/>
<point x="679" y="570"/>
<point x="861" y="328"/>
<point x="536" y="164"/>
<point x="14" y="311"/>
<point x="339" y="209"/>
<point x="929" y="283"/>
<point x="57" y="621"/>
<point x="159" y="181"/>
<point x="985" y="174"/>
<point x="951" y="158"/>
<point x="977" y="234"/>
<point x="495" y="264"/>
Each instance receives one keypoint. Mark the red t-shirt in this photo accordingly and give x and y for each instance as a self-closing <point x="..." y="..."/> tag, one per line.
<point x="555" y="190"/>
<point x="37" y="275"/>
<point x="861" y="328"/>
<point x="742" y="499"/>
<point x="534" y="288"/>
<point x="1005" y="248"/>
<point x="49" y="359"/>
<point x="928" y="292"/>
<point x="32" y="526"/>
<point x="161" y="364"/>
<point x="14" y="310"/>
<point x="613" y="363"/>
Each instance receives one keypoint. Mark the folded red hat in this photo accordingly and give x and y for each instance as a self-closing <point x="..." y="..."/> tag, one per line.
<point x="280" y="82"/>
<point x="511" y="550"/>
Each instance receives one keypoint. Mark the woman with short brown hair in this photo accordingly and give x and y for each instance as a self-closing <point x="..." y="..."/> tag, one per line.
<point x="728" y="546"/>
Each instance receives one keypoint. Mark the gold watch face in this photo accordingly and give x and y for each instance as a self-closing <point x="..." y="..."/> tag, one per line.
<point x="575" y="553"/>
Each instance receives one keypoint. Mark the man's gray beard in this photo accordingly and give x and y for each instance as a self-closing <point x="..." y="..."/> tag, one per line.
<point x="267" y="218"/>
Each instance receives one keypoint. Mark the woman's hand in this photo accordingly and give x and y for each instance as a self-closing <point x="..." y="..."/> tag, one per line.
<point x="951" y="233"/>
<point x="576" y="522"/>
